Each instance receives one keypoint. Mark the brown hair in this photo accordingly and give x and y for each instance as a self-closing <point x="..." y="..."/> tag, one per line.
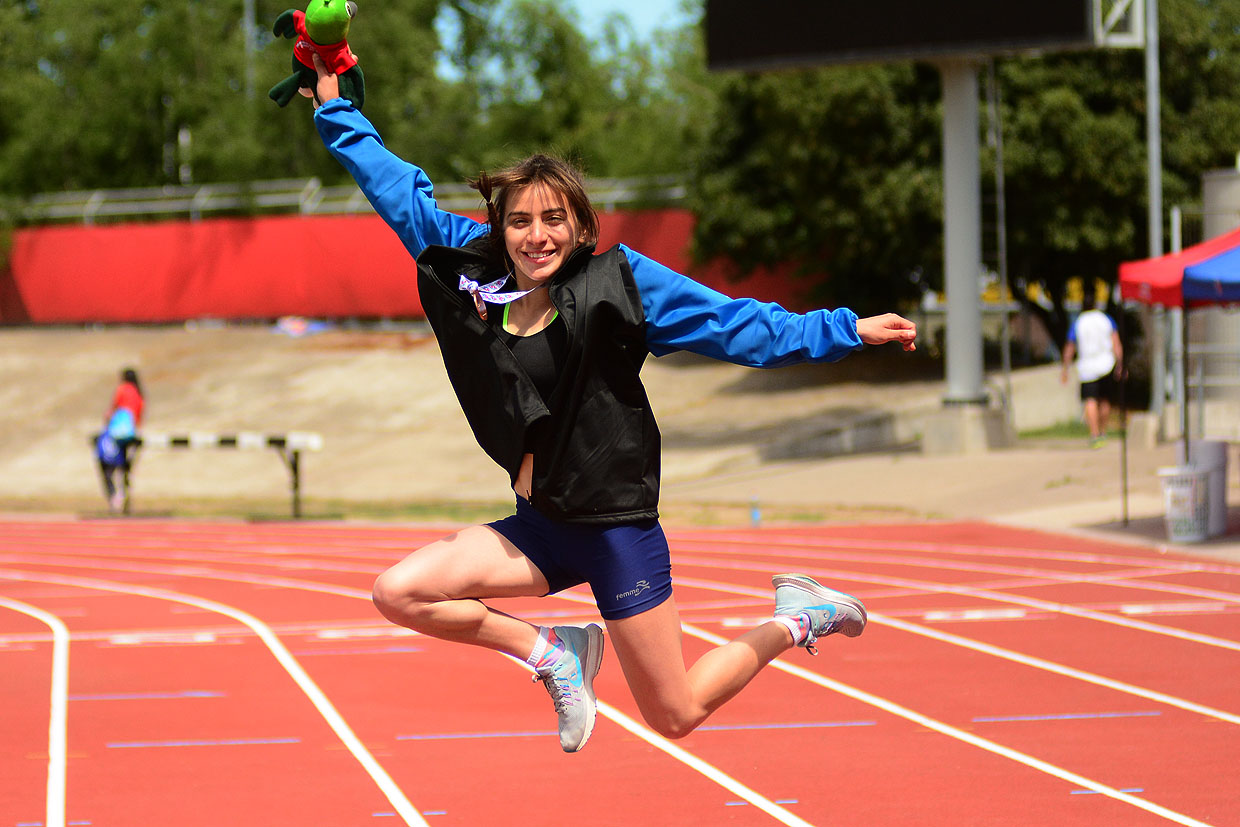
<point x="561" y="176"/>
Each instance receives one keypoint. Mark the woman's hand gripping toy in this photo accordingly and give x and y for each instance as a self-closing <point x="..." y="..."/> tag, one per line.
<point x="322" y="28"/>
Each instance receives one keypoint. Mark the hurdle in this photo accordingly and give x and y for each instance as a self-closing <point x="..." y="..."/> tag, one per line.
<point x="288" y="446"/>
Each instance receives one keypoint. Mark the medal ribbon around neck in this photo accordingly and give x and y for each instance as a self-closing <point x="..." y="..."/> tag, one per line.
<point x="482" y="293"/>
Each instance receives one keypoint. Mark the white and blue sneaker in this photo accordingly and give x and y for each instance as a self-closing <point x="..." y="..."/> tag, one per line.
<point x="828" y="611"/>
<point x="570" y="682"/>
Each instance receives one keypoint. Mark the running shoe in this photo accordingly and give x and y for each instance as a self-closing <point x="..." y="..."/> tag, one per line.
<point x="829" y="611"/>
<point x="570" y="682"/>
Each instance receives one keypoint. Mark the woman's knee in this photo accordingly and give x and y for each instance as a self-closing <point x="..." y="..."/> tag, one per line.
<point x="398" y="596"/>
<point x="672" y="723"/>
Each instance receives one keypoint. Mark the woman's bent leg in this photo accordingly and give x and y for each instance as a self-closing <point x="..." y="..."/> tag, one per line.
<point x="674" y="700"/>
<point x="437" y="590"/>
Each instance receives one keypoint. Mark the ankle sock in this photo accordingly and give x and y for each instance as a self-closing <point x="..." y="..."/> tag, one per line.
<point x="547" y="649"/>
<point x="798" y="626"/>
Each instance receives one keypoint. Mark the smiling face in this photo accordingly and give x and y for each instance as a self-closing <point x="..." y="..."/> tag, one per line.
<point x="540" y="233"/>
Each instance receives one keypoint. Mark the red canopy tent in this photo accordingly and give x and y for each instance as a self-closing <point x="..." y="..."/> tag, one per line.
<point x="1204" y="274"/>
<point x="1162" y="280"/>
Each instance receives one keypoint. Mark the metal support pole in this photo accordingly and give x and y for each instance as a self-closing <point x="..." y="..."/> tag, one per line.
<point x="248" y="27"/>
<point x="1153" y="129"/>
<point x="962" y="213"/>
<point x="294" y="467"/>
<point x="993" y="100"/>
<point x="292" y="460"/>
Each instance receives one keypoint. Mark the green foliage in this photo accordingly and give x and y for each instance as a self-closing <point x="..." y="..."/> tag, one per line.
<point x="107" y="90"/>
<point x="837" y="170"/>
<point x="834" y="170"/>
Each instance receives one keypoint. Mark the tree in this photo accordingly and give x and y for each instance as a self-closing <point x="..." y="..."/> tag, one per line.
<point x="837" y="170"/>
<point x="834" y="171"/>
<point x="107" y="91"/>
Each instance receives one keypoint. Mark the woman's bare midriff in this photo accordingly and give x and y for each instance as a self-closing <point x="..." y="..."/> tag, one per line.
<point x="525" y="477"/>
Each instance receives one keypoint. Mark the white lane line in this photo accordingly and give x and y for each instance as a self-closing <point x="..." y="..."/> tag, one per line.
<point x="201" y="572"/>
<point x="385" y="783"/>
<point x="646" y="734"/>
<point x="684" y="756"/>
<point x="1006" y="654"/>
<point x="1051" y="666"/>
<point x="983" y="594"/>
<point x="1116" y="578"/>
<point x="57" y="730"/>
<point x="710" y="771"/>
<point x="961" y="735"/>
<point x="1031" y="577"/>
<point x="815" y="542"/>
<point x="944" y="728"/>
<point x="974" y="591"/>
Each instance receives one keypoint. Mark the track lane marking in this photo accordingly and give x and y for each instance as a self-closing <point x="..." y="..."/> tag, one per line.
<point x="303" y="680"/>
<point x="736" y="590"/>
<point x="798" y="541"/>
<point x="1055" y="577"/>
<point x="957" y="640"/>
<point x="619" y="718"/>
<point x="959" y="734"/>
<point x="58" y="717"/>
<point x="951" y="731"/>
<point x="721" y="778"/>
<point x="1010" y="655"/>
<point x="983" y="594"/>
<point x="1117" y="578"/>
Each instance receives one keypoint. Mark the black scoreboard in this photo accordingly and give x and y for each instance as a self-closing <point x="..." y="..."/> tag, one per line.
<point x="772" y="34"/>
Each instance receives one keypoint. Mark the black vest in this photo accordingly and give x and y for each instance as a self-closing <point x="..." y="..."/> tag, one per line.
<point x="596" y="458"/>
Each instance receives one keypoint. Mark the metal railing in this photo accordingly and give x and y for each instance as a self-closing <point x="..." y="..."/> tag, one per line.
<point x="307" y="196"/>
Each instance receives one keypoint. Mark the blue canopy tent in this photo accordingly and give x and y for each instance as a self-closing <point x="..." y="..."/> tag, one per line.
<point x="1213" y="281"/>
<point x="1204" y="274"/>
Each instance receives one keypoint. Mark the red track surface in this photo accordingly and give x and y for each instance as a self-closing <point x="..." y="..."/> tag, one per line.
<point x="231" y="674"/>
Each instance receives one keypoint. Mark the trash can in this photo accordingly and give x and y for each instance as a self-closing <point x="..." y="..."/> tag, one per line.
<point x="1210" y="456"/>
<point x="1187" y="505"/>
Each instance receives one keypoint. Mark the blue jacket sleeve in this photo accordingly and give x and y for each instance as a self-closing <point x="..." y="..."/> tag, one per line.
<point x="682" y="314"/>
<point x="400" y="192"/>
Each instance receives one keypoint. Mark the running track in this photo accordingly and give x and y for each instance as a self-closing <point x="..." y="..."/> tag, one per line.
<point x="172" y="673"/>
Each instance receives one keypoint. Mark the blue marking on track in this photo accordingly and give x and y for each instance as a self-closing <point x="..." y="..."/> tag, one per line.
<point x="403" y="650"/>
<point x="1095" y="792"/>
<point x="148" y="696"/>
<point x="222" y="742"/>
<point x="802" y="725"/>
<point x="1071" y="716"/>
<point x="452" y="736"/>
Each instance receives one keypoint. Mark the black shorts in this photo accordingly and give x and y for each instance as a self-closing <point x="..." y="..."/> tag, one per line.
<point x="628" y="566"/>
<point x="1098" y="389"/>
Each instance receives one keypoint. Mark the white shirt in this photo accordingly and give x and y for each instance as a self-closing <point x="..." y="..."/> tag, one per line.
<point x="1095" y="354"/>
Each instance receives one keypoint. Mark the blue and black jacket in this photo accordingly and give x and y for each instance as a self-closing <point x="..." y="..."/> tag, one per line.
<point x="596" y="448"/>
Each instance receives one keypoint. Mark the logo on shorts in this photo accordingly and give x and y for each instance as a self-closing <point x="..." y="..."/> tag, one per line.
<point x="642" y="585"/>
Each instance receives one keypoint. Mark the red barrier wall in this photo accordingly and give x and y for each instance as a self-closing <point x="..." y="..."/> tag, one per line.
<point x="263" y="268"/>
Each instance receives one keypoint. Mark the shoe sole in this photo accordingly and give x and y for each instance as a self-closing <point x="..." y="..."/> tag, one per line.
<point x="590" y="666"/>
<point x="808" y="584"/>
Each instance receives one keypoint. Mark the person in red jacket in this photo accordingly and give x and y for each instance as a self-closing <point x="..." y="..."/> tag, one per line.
<point x="116" y="444"/>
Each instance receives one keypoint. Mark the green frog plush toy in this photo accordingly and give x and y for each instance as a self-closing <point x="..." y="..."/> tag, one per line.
<point x="322" y="28"/>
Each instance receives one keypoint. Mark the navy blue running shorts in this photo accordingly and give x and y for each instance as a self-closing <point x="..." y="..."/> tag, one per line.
<point x="628" y="566"/>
